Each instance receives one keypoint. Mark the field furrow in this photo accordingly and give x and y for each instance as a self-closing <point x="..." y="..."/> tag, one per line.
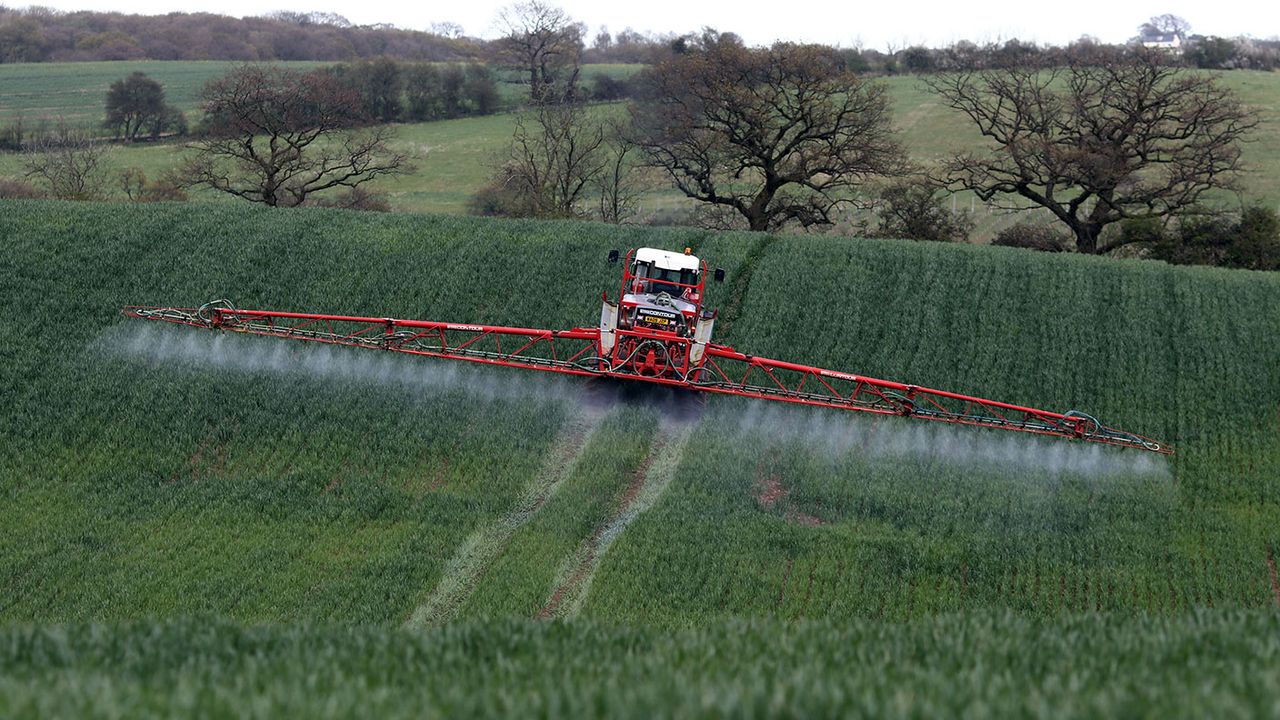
<point x="522" y="577"/>
<point x="647" y="485"/>
<point x="477" y="553"/>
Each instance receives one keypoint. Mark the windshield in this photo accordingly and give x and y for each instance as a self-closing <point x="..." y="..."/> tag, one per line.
<point x="651" y="279"/>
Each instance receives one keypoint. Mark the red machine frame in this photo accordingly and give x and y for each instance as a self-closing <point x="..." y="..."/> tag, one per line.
<point x="635" y="347"/>
<point x="578" y="351"/>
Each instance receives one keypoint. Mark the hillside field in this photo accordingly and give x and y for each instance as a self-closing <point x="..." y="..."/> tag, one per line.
<point x="75" y="91"/>
<point x="455" y="158"/>
<point x="185" y="514"/>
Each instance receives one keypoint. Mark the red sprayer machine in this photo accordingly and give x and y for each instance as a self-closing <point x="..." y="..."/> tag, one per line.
<point x="658" y="331"/>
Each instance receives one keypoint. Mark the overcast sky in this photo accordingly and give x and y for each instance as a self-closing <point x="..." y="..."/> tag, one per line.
<point x="847" y="23"/>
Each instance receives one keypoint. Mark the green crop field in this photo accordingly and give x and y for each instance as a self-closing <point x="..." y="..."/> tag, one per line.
<point x="231" y="525"/>
<point x="1205" y="664"/>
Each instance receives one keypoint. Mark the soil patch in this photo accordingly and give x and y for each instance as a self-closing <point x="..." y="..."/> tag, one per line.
<point x="771" y="494"/>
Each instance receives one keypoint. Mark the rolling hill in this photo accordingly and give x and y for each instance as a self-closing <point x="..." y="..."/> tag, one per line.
<point x="191" y="518"/>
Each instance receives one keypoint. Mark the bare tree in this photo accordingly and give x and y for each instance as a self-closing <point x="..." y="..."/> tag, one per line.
<point x="546" y="44"/>
<point x="620" y="181"/>
<point x="70" y="163"/>
<point x="772" y="136"/>
<point x="1128" y="137"/>
<point x="447" y="29"/>
<point x="277" y="136"/>
<point x="1167" y="24"/>
<point x="556" y="155"/>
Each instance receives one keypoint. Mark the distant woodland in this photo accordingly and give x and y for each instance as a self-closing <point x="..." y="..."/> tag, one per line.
<point x="40" y="34"/>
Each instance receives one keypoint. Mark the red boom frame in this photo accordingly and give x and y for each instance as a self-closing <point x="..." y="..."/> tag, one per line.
<point x="578" y="352"/>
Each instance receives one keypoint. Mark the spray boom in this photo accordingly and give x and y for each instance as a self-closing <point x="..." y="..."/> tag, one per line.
<point x="656" y="332"/>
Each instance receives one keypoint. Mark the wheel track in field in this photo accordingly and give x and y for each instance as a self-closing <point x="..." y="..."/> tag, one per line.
<point x="477" y="553"/>
<point x="1271" y="573"/>
<point x="740" y="286"/>
<point x="648" y="483"/>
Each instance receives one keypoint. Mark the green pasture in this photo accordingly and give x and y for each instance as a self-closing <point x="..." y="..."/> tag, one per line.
<point x="75" y="92"/>
<point x="455" y="158"/>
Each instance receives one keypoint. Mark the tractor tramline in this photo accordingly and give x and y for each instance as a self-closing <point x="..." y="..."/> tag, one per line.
<point x="656" y="332"/>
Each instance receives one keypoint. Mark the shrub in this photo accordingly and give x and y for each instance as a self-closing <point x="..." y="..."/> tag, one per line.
<point x="1256" y="243"/>
<point x="607" y="88"/>
<point x="1033" y="236"/>
<point x="11" y="189"/>
<point x="357" y="198"/>
<point x="500" y="199"/>
<point x="1145" y="232"/>
<point x="913" y="210"/>
<point x="1251" y="241"/>
<point x="134" y="183"/>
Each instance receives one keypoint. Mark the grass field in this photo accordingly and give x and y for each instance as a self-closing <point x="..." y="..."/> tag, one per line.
<point x="75" y="92"/>
<point x="528" y="548"/>
<point x="456" y="157"/>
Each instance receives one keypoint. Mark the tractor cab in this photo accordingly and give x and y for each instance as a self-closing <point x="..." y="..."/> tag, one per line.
<point x="661" y="290"/>
<point x="658" y="326"/>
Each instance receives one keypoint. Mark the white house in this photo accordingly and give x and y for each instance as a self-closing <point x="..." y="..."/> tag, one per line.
<point x="1169" y="42"/>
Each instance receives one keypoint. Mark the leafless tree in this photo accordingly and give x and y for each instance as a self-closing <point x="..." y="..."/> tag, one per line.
<point x="68" y="161"/>
<point x="621" y="181"/>
<point x="1124" y="136"/>
<point x="447" y="29"/>
<point x="546" y="44"/>
<point x="276" y="136"/>
<point x="556" y="155"/>
<point x="168" y="188"/>
<point x="1166" y="24"/>
<point x="772" y="136"/>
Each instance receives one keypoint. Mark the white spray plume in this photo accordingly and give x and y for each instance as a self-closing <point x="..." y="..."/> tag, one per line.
<point x="831" y="432"/>
<point x="154" y="344"/>
<point x="888" y="437"/>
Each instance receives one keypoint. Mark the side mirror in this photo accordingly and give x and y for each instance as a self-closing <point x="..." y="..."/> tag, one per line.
<point x="613" y="256"/>
<point x="719" y="275"/>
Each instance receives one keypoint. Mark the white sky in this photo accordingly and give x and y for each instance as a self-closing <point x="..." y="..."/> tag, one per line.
<point x="873" y="25"/>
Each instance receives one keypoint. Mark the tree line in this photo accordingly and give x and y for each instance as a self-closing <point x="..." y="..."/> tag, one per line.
<point x="393" y="91"/>
<point x="1200" y="51"/>
<point x="1121" y="148"/>
<point x="135" y="107"/>
<point x="40" y="34"/>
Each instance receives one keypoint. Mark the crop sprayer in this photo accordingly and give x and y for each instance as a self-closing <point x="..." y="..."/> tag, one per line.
<point x="656" y="332"/>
